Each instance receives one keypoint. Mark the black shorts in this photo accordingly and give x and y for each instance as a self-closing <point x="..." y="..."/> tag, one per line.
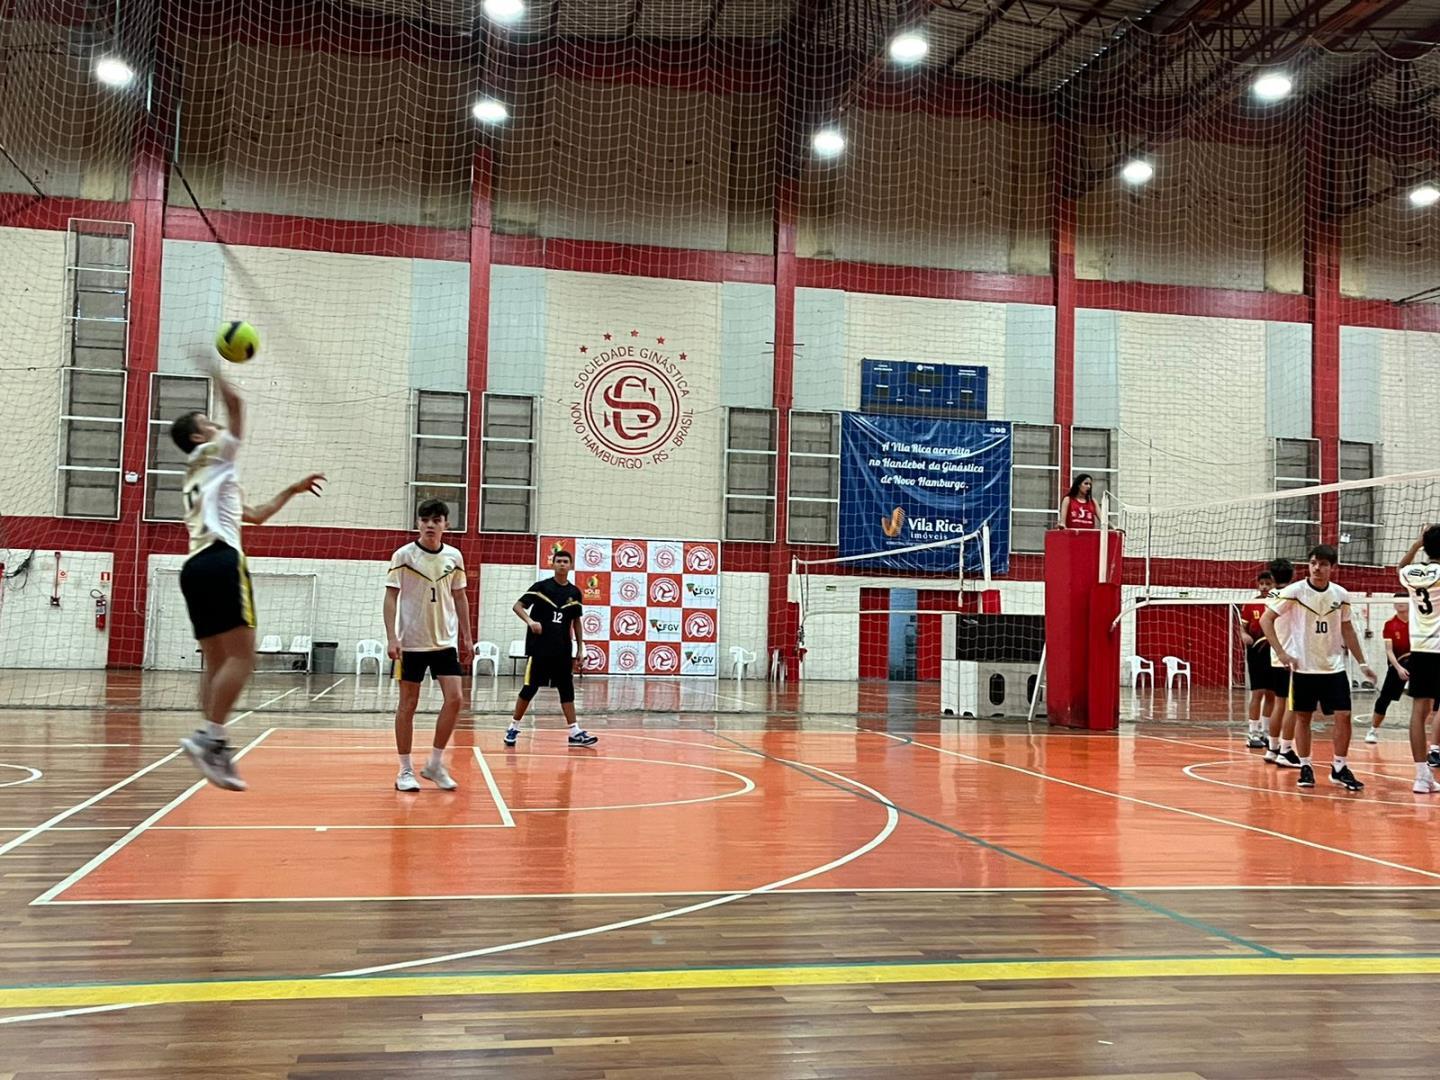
<point x="1328" y="693"/>
<point x="439" y="662"/>
<point x="1280" y="681"/>
<point x="1424" y="668"/>
<point x="556" y="671"/>
<point x="1257" y="663"/>
<point x="218" y="592"/>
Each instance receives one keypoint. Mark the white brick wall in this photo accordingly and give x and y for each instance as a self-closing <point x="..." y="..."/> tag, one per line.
<point x="35" y="635"/>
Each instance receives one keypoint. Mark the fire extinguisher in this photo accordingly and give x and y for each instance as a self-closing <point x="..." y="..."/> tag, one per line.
<point x="99" y="608"/>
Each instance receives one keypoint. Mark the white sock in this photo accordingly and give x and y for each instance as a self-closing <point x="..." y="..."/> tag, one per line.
<point x="215" y="731"/>
<point x="1306" y="761"/>
<point x="1339" y="764"/>
<point x="514" y="725"/>
<point x="405" y="765"/>
<point x="574" y="729"/>
<point x="1274" y="743"/>
<point x="436" y="758"/>
<point x="1433" y="746"/>
<point x="1254" y="725"/>
<point x="1422" y="771"/>
<point x="1286" y="745"/>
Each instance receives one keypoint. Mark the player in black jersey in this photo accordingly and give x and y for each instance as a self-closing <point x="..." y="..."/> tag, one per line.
<point x="551" y="610"/>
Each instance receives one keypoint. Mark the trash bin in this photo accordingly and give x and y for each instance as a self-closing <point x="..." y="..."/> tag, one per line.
<point x="322" y="657"/>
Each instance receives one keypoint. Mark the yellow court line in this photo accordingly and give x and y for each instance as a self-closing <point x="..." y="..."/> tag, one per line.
<point x="404" y="986"/>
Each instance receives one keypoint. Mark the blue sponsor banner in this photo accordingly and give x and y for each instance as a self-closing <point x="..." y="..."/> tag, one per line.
<point x="907" y="480"/>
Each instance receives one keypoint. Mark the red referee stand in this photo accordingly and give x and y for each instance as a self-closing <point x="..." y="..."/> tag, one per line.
<point x="1082" y="633"/>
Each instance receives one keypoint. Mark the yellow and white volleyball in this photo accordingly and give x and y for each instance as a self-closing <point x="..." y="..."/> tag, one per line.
<point x="237" y="341"/>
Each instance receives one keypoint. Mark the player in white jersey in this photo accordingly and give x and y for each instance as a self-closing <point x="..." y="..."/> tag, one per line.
<point x="1422" y="581"/>
<point x="215" y="579"/>
<point x="427" y="625"/>
<point x="1310" y="632"/>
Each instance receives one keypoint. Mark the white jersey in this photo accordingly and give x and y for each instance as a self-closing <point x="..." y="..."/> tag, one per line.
<point x="1274" y="605"/>
<point x="1309" y="623"/>
<point x="426" y="581"/>
<point x="214" y="505"/>
<point x="1423" y="581"/>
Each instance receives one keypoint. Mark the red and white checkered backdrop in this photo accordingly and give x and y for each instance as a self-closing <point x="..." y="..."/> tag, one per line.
<point x="652" y="607"/>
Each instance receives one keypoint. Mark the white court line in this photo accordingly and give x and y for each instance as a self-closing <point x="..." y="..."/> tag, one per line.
<point x="62" y="1013"/>
<point x="961" y="890"/>
<point x="45" y="826"/>
<point x="83" y="871"/>
<point x="746" y="784"/>
<point x="505" y="817"/>
<point x="1245" y="826"/>
<point x="1296" y="793"/>
<point x="1241" y="754"/>
<point x="322" y="693"/>
<point x="35" y="774"/>
<point x="892" y="819"/>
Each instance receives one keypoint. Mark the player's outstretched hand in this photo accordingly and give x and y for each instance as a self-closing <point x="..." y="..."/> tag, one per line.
<point x="312" y="483"/>
<point x="393" y="650"/>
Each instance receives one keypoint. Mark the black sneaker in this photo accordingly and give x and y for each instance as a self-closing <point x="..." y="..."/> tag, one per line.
<point x="1256" y="742"/>
<point x="512" y="736"/>
<point x="1289" y="759"/>
<point x="1307" y="777"/>
<point x="1345" y="778"/>
<point x="1433" y="759"/>
<point x="583" y="738"/>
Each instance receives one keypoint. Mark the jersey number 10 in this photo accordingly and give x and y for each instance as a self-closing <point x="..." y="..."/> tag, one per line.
<point x="1321" y="626"/>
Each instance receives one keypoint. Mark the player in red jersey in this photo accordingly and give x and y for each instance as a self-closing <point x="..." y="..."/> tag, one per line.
<point x="1397" y="655"/>
<point x="1257" y="660"/>
<point x="1077" y="508"/>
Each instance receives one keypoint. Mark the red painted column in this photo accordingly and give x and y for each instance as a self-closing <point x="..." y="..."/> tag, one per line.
<point x="477" y="362"/>
<point x="1322" y="283"/>
<point x="784" y="616"/>
<point x="148" y="181"/>
<point x="1062" y="270"/>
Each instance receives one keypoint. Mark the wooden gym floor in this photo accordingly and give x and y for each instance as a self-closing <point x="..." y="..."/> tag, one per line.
<point x="758" y="889"/>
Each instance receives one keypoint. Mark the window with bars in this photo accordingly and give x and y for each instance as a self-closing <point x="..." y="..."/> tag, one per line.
<point x="1297" y="520"/>
<point x="92" y="429"/>
<point x="1035" y="484"/>
<point x="1092" y="450"/>
<point x="814" y="496"/>
<point x="1360" y="518"/>
<point x="750" y="474"/>
<point x="440" y="449"/>
<point x="508" y="462"/>
<point x="170" y="396"/>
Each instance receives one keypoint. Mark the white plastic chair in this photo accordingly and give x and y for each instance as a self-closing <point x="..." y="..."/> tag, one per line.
<point x="1139" y="668"/>
<point x="1175" y="668"/>
<point x="300" y="645"/>
<point x="740" y="661"/>
<point x="486" y="652"/>
<point x="271" y="643"/>
<point x="370" y="649"/>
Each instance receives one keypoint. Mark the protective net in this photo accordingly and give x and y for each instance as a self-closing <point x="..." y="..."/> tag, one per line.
<point x="588" y="272"/>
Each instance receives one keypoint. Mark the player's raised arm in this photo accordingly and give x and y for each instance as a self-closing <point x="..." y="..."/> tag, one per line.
<point x="258" y="515"/>
<point x="1415" y="547"/>
<point x="229" y="394"/>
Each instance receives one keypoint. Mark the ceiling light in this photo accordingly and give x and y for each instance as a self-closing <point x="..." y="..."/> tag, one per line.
<point x="504" y="11"/>
<point x="1137" y="171"/>
<point x="828" y="143"/>
<point x="489" y="111"/>
<point x="1272" y="86"/>
<point x="1425" y="195"/>
<point x="114" y="72"/>
<point x="908" y="47"/>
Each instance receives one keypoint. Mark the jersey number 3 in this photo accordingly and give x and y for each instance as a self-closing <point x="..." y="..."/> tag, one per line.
<point x="1426" y="605"/>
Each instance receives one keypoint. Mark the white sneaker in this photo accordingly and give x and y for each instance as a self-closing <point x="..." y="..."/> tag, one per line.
<point x="1372" y="736"/>
<point x="437" y="776"/>
<point x="405" y="781"/>
<point x="1270" y="756"/>
<point x="1425" y="787"/>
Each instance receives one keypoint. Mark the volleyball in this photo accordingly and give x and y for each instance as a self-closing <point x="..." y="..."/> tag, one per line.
<point x="237" y="341"/>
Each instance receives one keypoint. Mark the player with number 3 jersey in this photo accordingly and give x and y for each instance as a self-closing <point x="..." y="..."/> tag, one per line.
<point x="1422" y="582"/>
